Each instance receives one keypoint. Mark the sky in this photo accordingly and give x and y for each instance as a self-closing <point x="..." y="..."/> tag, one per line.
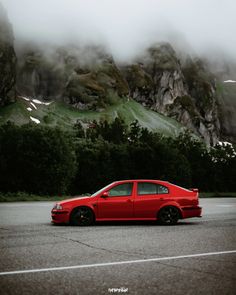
<point x="126" y="27"/>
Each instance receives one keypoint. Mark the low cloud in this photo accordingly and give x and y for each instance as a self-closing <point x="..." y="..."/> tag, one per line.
<point x="126" y="27"/>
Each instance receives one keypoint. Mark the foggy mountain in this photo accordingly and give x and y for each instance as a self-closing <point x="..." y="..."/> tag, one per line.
<point x="171" y="57"/>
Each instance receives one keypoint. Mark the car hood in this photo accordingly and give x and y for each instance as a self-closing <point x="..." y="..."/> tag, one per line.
<point x="64" y="202"/>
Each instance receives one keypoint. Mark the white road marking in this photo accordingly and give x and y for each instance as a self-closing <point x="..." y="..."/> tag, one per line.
<point x="113" y="263"/>
<point x="231" y="205"/>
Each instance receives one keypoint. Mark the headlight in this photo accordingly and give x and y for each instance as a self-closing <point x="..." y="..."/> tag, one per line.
<point x="57" y="207"/>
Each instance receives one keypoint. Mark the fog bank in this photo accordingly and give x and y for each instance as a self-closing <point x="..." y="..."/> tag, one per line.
<point x="126" y="27"/>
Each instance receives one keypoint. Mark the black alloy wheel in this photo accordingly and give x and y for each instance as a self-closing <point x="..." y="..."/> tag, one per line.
<point x="82" y="216"/>
<point x="169" y="215"/>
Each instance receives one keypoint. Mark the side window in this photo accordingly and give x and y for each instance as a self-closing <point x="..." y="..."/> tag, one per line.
<point x="124" y="189"/>
<point x="162" y="189"/>
<point x="147" y="188"/>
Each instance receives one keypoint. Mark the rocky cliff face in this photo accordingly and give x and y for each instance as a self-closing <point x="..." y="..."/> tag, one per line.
<point x="96" y="86"/>
<point x="185" y="92"/>
<point x="225" y="71"/>
<point x="66" y="76"/>
<point x="7" y="60"/>
<point x="227" y="109"/>
<point x="40" y="75"/>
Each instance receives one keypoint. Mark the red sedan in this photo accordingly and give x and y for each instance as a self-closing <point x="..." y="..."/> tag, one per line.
<point x="130" y="200"/>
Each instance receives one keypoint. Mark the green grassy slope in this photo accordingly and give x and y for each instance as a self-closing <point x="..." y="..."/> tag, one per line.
<point x="65" y="116"/>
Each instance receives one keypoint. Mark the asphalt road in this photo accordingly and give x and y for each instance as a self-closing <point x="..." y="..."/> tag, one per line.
<point x="192" y="257"/>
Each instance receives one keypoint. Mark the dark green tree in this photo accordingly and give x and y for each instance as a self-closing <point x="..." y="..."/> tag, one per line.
<point x="36" y="159"/>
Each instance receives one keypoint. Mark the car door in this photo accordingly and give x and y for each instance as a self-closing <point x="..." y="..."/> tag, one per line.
<point x="118" y="204"/>
<point x="148" y="199"/>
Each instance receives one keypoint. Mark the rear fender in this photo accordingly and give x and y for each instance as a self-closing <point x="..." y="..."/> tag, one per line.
<point x="174" y="204"/>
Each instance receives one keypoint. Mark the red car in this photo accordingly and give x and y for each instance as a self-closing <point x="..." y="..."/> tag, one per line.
<point x="130" y="200"/>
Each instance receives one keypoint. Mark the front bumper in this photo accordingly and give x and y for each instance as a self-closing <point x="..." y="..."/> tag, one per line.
<point x="189" y="212"/>
<point x="60" y="216"/>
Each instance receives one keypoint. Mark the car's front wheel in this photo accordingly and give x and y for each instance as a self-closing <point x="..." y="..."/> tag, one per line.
<point x="168" y="215"/>
<point x="82" y="216"/>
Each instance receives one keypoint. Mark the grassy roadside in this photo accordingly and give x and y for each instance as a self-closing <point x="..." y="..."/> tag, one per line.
<point x="24" y="197"/>
<point x="218" y="195"/>
<point x="21" y="197"/>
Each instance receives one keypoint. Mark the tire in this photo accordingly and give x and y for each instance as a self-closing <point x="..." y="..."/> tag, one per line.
<point x="82" y="216"/>
<point x="169" y="215"/>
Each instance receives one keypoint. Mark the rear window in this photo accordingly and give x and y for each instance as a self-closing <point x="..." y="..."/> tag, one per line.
<point x="147" y="188"/>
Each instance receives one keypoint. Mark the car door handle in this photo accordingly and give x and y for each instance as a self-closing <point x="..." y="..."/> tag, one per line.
<point x="129" y="201"/>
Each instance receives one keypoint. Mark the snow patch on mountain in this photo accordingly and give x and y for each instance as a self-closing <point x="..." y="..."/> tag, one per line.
<point x="229" y="81"/>
<point x="41" y="102"/>
<point x="37" y="121"/>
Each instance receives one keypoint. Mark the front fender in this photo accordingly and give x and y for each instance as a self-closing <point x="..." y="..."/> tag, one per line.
<point x="90" y="206"/>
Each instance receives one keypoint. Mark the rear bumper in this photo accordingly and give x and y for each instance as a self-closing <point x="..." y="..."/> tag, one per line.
<point x="60" y="216"/>
<point x="189" y="212"/>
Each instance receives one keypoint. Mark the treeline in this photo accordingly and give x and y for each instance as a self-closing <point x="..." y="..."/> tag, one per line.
<point x="43" y="160"/>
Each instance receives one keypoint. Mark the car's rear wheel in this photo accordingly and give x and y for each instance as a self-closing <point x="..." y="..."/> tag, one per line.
<point x="168" y="215"/>
<point x="82" y="216"/>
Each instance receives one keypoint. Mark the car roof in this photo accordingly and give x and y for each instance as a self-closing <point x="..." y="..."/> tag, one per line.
<point x="141" y="180"/>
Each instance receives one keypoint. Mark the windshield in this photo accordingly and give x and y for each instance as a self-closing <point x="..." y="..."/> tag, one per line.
<point x="98" y="192"/>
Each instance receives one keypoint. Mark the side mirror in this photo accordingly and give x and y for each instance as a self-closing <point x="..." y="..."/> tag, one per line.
<point x="105" y="195"/>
